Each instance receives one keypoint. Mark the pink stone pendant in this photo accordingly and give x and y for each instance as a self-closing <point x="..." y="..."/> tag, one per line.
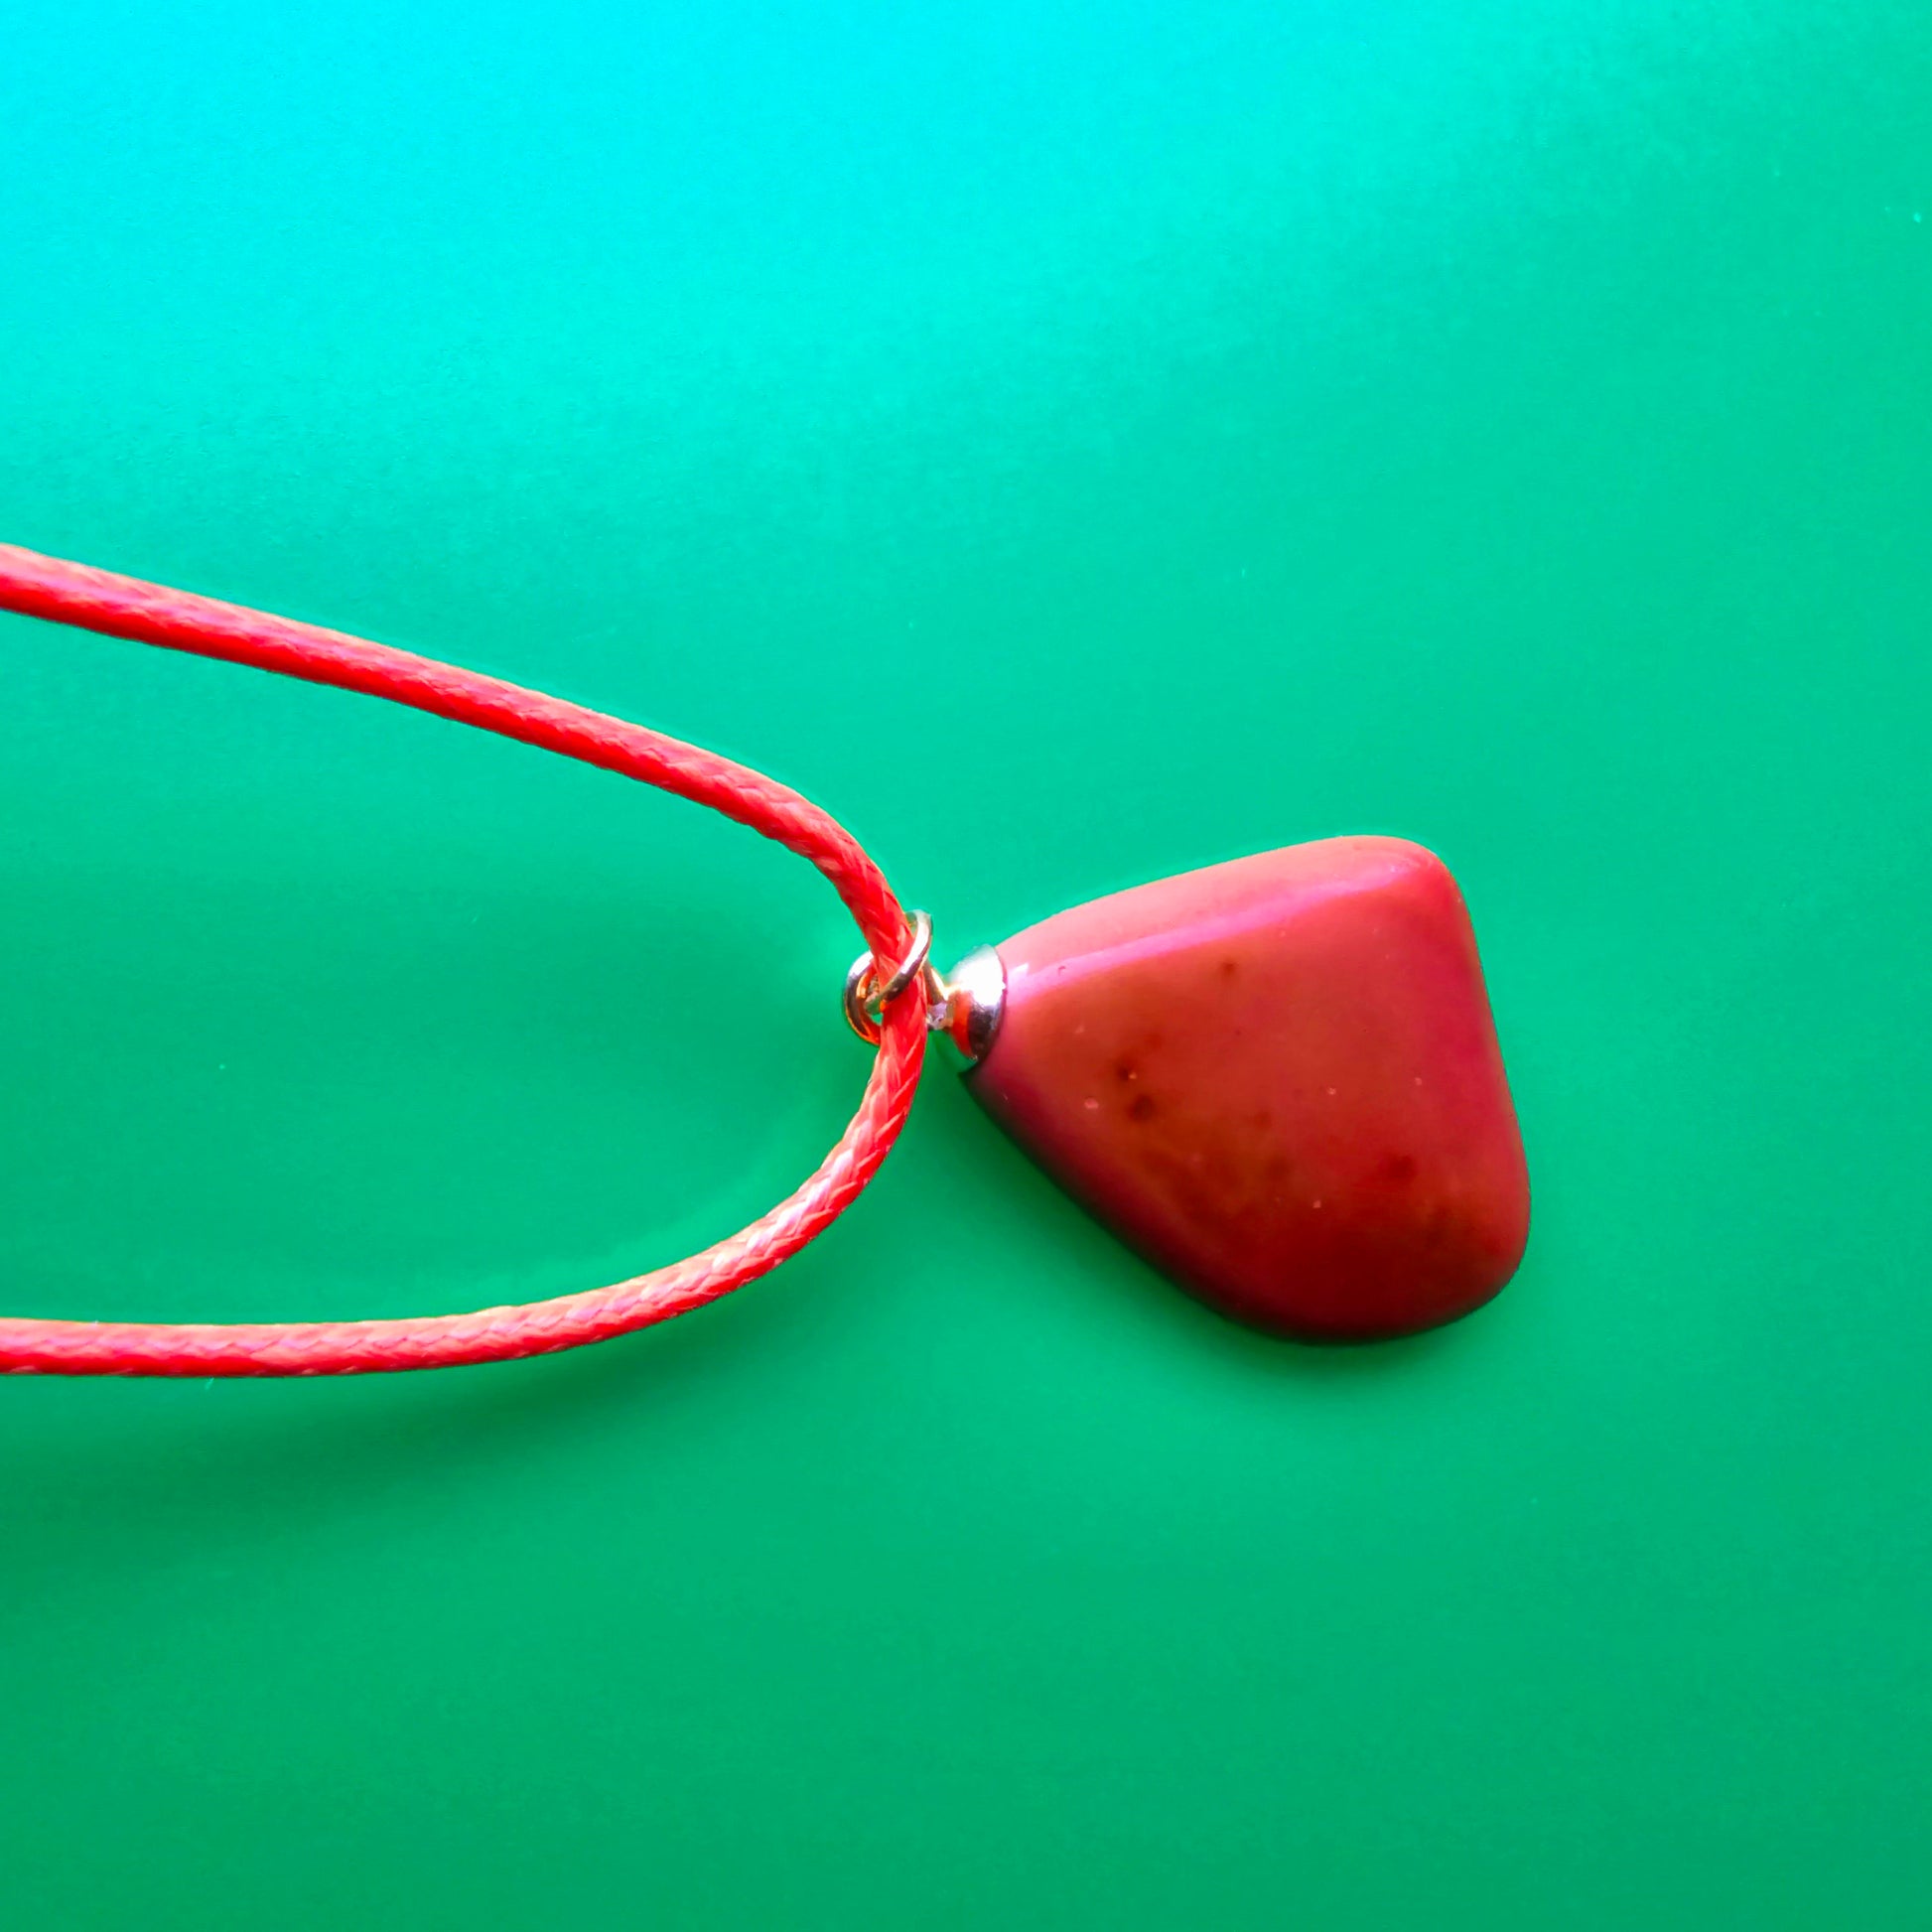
<point x="1277" y="1079"/>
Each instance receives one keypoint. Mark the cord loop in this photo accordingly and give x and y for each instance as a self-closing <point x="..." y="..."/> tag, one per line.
<point x="124" y="607"/>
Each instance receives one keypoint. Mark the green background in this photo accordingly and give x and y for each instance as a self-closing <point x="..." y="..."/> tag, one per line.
<point x="1072" y="444"/>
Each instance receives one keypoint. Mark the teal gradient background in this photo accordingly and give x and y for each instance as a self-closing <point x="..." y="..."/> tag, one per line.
<point x="1073" y="444"/>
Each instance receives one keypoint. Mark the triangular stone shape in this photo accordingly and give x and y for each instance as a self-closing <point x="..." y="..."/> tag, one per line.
<point x="1277" y="1079"/>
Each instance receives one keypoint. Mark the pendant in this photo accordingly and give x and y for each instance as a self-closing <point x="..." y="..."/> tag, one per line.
<point x="1277" y="1079"/>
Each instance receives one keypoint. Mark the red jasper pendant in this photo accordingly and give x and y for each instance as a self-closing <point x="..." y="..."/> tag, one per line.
<point x="1277" y="1079"/>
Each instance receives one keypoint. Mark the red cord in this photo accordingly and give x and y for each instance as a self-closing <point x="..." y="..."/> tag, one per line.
<point x="124" y="607"/>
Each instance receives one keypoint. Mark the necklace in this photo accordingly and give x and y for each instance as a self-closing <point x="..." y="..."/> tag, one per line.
<point x="1276" y="1079"/>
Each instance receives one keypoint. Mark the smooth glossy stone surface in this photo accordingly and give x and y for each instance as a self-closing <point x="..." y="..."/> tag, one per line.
<point x="1279" y="1080"/>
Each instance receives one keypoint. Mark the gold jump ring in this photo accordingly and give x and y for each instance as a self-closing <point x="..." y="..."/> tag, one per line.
<point x="865" y="1004"/>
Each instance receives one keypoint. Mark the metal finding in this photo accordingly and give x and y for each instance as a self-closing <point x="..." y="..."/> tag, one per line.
<point x="865" y="1004"/>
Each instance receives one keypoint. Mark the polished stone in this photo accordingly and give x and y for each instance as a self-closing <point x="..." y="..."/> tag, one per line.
<point x="1279" y="1080"/>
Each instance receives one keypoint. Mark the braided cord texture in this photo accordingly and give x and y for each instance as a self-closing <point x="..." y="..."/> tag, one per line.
<point x="124" y="607"/>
